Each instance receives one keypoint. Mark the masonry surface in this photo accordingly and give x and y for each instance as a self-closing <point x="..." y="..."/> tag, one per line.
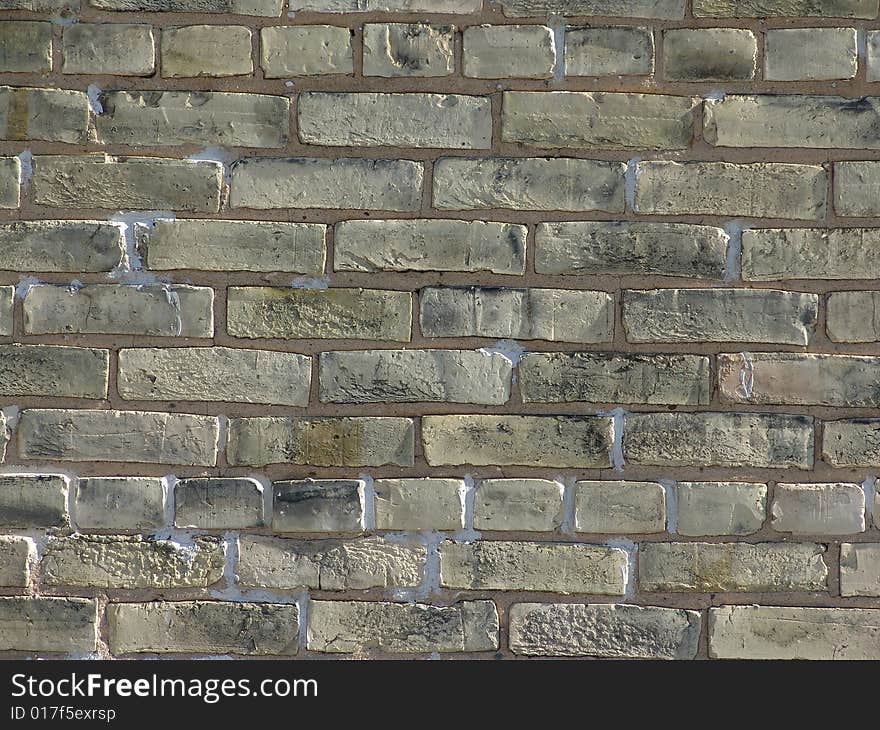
<point x="413" y="328"/>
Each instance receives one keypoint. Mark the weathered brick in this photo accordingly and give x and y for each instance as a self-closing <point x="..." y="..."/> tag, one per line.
<point x="312" y="506"/>
<point x="484" y="440"/>
<point x="430" y="245"/>
<point x="119" y="503"/>
<point x="7" y="298"/>
<point x="356" y="627"/>
<point x="860" y="569"/>
<point x="348" y="184"/>
<point x="358" y="314"/>
<point x="47" y="115"/>
<point x="419" y="504"/>
<point x="122" y="49"/>
<point x="62" y="625"/>
<point x="60" y="246"/>
<point x="609" y="51"/>
<point x="414" y="376"/>
<point x="48" y="370"/>
<point x="139" y="183"/>
<point x="776" y="632"/>
<point x="197" y="627"/>
<point x="33" y="500"/>
<point x="529" y="183"/>
<point x="597" y="120"/>
<point x="4" y="435"/>
<point x="329" y="565"/>
<point x="603" y="630"/>
<point x="687" y="567"/>
<point x="619" y="507"/>
<point x="526" y="505"/>
<point x="99" y="561"/>
<point x="10" y="182"/>
<point x="15" y="553"/>
<point x="365" y="441"/>
<point x="163" y="118"/>
<point x="560" y="315"/>
<point x="818" y="509"/>
<point x="502" y="51"/>
<point x="759" y="440"/>
<point x="40" y="6"/>
<point x="659" y="9"/>
<point x="785" y="8"/>
<point x="305" y="50"/>
<point x="810" y="54"/>
<point x="853" y="316"/>
<point x="124" y="436"/>
<point x="856" y="187"/>
<point x="851" y="442"/>
<point x="25" y="46"/>
<point x="207" y="50"/>
<point x="390" y="6"/>
<point x="709" y="54"/>
<point x="218" y="503"/>
<point x="756" y="190"/>
<point x="599" y="377"/>
<point x="408" y="49"/>
<point x="263" y="8"/>
<point x="720" y="508"/>
<point x="872" y="59"/>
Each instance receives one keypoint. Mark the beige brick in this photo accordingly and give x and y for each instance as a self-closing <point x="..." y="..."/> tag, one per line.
<point x="529" y="183"/>
<point x="505" y="51"/>
<point x="120" y="503"/>
<point x="579" y="629"/>
<point x="305" y="50"/>
<point x="609" y="51"/>
<point x="853" y="316"/>
<point x="263" y="8"/>
<point x="60" y="625"/>
<point x="810" y="54"/>
<point x="46" y="370"/>
<point x="619" y="508"/>
<point x="851" y="442"/>
<point x="357" y="314"/>
<point x="207" y="50"/>
<point x="349" y="627"/>
<point x="228" y="503"/>
<point x="329" y="565"/>
<point x="47" y="115"/>
<point x="518" y="505"/>
<point x="120" y="49"/>
<point x="318" y="506"/>
<point x="131" y="562"/>
<point x="754" y="440"/>
<point x="5" y="433"/>
<point x="364" y="441"/>
<point x="659" y="9"/>
<point x="872" y="59"/>
<point x="197" y="627"/>
<point x="785" y="8"/>
<point x="112" y="435"/>
<point x="860" y="569"/>
<point x="720" y="508"/>
<point x="214" y="374"/>
<point x="409" y="49"/>
<point x="15" y="554"/>
<point x="60" y="246"/>
<point x="818" y="509"/>
<point x="390" y="6"/>
<point x="395" y="120"/>
<point x="856" y="187"/>
<point x="25" y="47"/>
<point x="10" y="182"/>
<point x="40" y="6"/>
<point x="33" y="500"/>
<point x="734" y="567"/>
<point x="709" y="54"/>
<point x="484" y="440"/>
<point x="419" y="504"/>
<point x="7" y="298"/>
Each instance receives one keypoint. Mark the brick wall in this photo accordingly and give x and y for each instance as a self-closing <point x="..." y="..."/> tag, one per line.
<point x="403" y="327"/>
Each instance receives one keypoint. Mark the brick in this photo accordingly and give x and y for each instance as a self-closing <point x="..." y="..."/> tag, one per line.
<point x="619" y="508"/>
<point x="734" y="567"/>
<point x="872" y="59"/>
<point x="214" y="374"/>
<point x="60" y="625"/>
<point x="10" y="182"/>
<point x="15" y="555"/>
<point x="414" y="376"/>
<point x="5" y="434"/>
<point x="856" y="185"/>
<point x="390" y="6"/>
<point x="135" y="183"/>
<point x="46" y="115"/>
<point x="785" y="8"/>
<point x="395" y="120"/>
<point x="60" y="246"/>
<point x="40" y="6"/>
<point x="207" y="50"/>
<point x="45" y="370"/>
<point x="588" y="120"/>
<point x="851" y="442"/>
<point x="329" y="565"/>
<point x="818" y="509"/>
<point x="33" y="500"/>
<point x="502" y="51"/>
<point x="720" y="508"/>
<point x="168" y="118"/>
<point x="518" y="505"/>
<point x="860" y="569"/>
<point x="609" y="51"/>
<point x="120" y="503"/>
<point x="659" y="9"/>
<point x="560" y="315"/>
<point x="419" y="504"/>
<point x="789" y="378"/>
<point x="598" y="377"/>
<point x="262" y="8"/>
<point x="7" y="298"/>
<point x="484" y="440"/>
<point x="776" y="632"/>
<point x="810" y="54"/>
<point x="603" y="630"/>
<point x="123" y="436"/>
<point x="430" y="245"/>
<point x="529" y="183"/>
<point x="25" y="47"/>
<point x="756" y="190"/>
<point x="357" y="314"/>
<point x="121" y="49"/>
<point x="228" y="503"/>
<point x="199" y="627"/>
<point x="409" y="49"/>
<point x="158" y="310"/>
<point x="758" y="440"/>
<point x="305" y="50"/>
<point x="349" y="627"/>
<point x="853" y="316"/>
<point x="347" y="184"/>
<point x="312" y="506"/>
<point x="364" y="441"/>
<point x="709" y="54"/>
<point x="99" y="561"/>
